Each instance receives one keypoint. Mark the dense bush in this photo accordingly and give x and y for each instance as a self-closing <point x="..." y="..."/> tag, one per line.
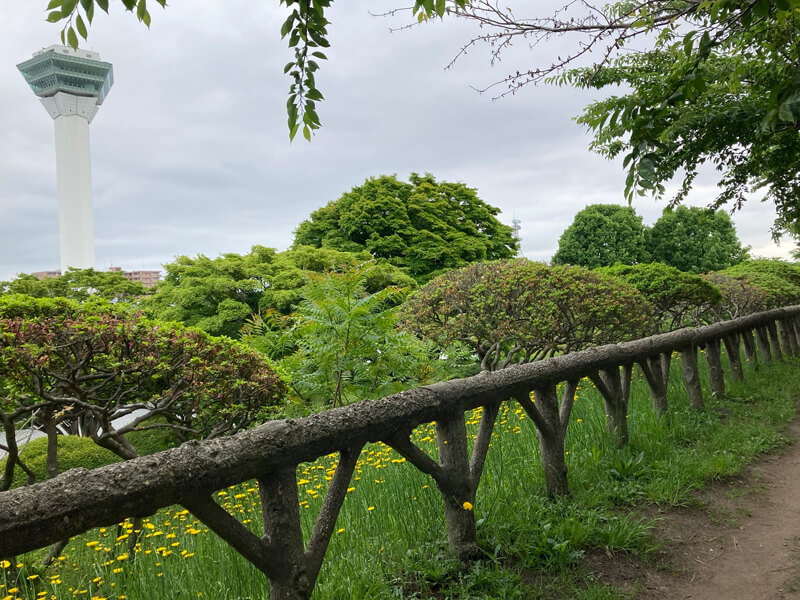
<point x="518" y="310"/>
<point x="738" y="297"/>
<point x="778" y="280"/>
<point x="219" y="294"/>
<point x="80" y="366"/>
<point x="678" y="298"/>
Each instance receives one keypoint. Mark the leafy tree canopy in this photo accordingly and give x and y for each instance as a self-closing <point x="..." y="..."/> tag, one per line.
<point x="696" y="240"/>
<point x="725" y="91"/>
<point x="424" y="226"/>
<point x="518" y="311"/>
<point x="217" y="295"/>
<point x="677" y="298"/>
<point x="76" y="284"/>
<point x="602" y="235"/>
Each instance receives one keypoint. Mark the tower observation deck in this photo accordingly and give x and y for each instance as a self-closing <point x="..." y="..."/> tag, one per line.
<point x="71" y="85"/>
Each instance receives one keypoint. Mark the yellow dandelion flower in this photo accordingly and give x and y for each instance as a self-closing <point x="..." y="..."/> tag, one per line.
<point x="370" y="508"/>
<point x="467" y="506"/>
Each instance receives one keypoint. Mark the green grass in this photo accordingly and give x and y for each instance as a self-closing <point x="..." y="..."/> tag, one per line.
<point x="390" y="539"/>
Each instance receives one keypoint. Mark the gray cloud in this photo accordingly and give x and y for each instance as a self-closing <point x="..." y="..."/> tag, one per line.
<point x="190" y="152"/>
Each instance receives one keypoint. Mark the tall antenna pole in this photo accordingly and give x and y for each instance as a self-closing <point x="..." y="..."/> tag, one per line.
<point x="517" y="226"/>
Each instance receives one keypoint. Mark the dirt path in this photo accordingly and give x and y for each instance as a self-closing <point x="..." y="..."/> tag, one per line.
<point x="742" y="544"/>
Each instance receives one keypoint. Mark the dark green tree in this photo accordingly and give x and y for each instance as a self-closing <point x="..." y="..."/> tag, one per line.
<point x="602" y="235"/>
<point x="424" y="226"/>
<point x="695" y="240"/>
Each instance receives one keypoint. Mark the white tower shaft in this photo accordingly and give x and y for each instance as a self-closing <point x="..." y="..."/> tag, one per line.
<point x="74" y="178"/>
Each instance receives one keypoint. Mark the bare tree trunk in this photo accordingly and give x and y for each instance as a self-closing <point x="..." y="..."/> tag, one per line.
<point x="12" y="452"/>
<point x="691" y="377"/>
<point x="795" y="323"/>
<point x="732" y="349"/>
<point x="119" y="445"/>
<point x="552" y="438"/>
<point x="552" y="422"/>
<point x="451" y="439"/>
<point x="49" y="426"/>
<point x="283" y="537"/>
<point x="457" y="476"/>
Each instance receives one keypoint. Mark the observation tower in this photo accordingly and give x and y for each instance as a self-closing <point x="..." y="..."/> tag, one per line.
<point x="71" y="85"/>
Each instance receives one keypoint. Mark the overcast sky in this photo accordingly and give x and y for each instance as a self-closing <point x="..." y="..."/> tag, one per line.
<point x="190" y="152"/>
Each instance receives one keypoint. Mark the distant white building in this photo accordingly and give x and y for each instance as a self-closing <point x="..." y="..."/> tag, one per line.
<point x="23" y="437"/>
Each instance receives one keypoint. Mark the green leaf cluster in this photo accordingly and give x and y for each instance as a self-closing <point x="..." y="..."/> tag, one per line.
<point x="78" y="15"/>
<point x="307" y="29"/>
<point x="341" y="343"/>
<point x="424" y="226"/>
